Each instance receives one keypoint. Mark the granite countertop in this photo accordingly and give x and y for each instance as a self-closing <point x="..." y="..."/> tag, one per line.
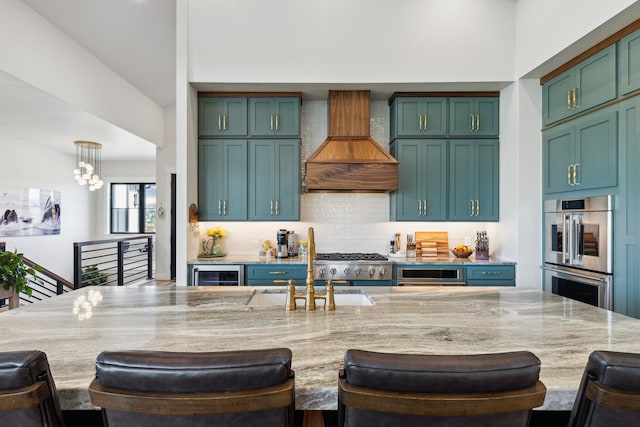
<point x="75" y="327"/>
<point x="250" y="259"/>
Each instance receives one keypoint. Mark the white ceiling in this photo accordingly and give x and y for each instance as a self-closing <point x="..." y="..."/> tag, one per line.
<point x="135" y="38"/>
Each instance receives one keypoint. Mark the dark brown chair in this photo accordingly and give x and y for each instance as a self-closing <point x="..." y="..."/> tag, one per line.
<point x="609" y="393"/>
<point x="235" y="388"/>
<point x="28" y="395"/>
<point x="386" y="389"/>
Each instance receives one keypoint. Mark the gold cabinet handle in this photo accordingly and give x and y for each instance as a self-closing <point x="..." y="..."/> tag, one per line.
<point x="472" y="125"/>
<point x="471" y="207"/>
<point x="277" y="213"/>
<point x="477" y="122"/>
<point x="271" y="122"/>
<point x="224" y="205"/>
<point x="477" y="207"/>
<point x="425" y="122"/>
<point x="419" y="207"/>
<point x="224" y="122"/>
<point x="424" y="208"/>
<point x="271" y="207"/>
<point x="575" y="174"/>
<point x="219" y="207"/>
<point x="277" y="126"/>
<point x="569" y="174"/>
<point x="420" y="122"/>
<point x="219" y="122"/>
<point x="279" y="273"/>
<point x="575" y="97"/>
<point x="568" y="99"/>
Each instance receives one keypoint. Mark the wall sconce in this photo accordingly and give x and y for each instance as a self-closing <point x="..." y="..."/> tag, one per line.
<point x="193" y="217"/>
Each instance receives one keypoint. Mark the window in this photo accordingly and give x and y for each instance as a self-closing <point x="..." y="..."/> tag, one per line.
<point x="133" y="208"/>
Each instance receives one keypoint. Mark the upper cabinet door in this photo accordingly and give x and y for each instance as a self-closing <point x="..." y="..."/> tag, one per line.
<point x="274" y="116"/>
<point x="590" y="83"/>
<point x="629" y="64"/>
<point x="222" y="117"/>
<point x="474" y="116"/>
<point x="415" y="117"/>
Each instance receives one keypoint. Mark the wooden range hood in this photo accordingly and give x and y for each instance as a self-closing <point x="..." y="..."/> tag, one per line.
<point x="349" y="160"/>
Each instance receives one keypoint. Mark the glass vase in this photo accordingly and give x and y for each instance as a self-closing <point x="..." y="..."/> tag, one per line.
<point x="217" y="250"/>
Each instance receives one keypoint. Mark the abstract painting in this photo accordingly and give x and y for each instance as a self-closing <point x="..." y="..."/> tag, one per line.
<point x="26" y="211"/>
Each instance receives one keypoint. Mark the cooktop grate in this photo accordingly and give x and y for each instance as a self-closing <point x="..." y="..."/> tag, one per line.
<point x="333" y="256"/>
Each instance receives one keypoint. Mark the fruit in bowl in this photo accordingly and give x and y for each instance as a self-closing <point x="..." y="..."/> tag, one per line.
<point x="462" y="251"/>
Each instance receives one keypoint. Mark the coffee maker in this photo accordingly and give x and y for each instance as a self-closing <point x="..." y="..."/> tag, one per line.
<point x="283" y="244"/>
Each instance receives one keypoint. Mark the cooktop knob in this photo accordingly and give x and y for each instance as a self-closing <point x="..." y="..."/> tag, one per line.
<point x="322" y="271"/>
<point x="372" y="271"/>
<point x="358" y="271"/>
<point x="382" y="271"/>
<point x="347" y="271"/>
<point x="332" y="271"/>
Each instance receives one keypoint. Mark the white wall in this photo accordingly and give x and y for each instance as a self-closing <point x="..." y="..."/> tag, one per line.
<point x="351" y="41"/>
<point x="29" y="165"/>
<point x="36" y="52"/>
<point x="546" y="28"/>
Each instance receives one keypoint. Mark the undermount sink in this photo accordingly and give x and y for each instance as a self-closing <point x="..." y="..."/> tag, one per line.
<point x="274" y="297"/>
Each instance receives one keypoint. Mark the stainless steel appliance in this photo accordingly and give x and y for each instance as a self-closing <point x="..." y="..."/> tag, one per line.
<point x="282" y="246"/>
<point x="218" y="275"/>
<point x="578" y="256"/>
<point x="431" y="276"/>
<point x="352" y="266"/>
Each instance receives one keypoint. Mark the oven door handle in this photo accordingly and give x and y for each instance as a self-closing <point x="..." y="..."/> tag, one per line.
<point x="569" y="274"/>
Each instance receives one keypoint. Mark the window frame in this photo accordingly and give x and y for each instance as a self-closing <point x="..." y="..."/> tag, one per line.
<point x="141" y="208"/>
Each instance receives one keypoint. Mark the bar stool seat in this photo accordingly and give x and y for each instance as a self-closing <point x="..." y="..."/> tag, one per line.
<point x="609" y="392"/>
<point x="28" y="395"/>
<point x="154" y="388"/>
<point x="390" y="389"/>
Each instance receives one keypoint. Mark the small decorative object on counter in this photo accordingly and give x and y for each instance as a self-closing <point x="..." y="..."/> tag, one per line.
<point x="482" y="245"/>
<point x="212" y="248"/>
<point x="302" y="249"/>
<point x="462" y="251"/>
<point x="411" y="246"/>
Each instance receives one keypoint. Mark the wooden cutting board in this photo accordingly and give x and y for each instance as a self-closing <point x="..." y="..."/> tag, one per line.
<point x="440" y="238"/>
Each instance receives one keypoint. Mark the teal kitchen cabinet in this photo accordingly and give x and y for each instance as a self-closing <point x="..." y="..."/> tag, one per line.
<point x="274" y="116"/>
<point x="629" y="64"/>
<point x="626" y="229"/>
<point x="422" y="180"/>
<point x="222" y="117"/>
<point x="418" y="116"/>
<point x="473" y="180"/>
<point x="274" y="180"/>
<point x="474" y="116"/>
<point x="590" y="83"/>
<point x="491" y="275"/>
<point x="581" y="154"/>
<point x="222" y="180"/>
<point x="265" y="274"/>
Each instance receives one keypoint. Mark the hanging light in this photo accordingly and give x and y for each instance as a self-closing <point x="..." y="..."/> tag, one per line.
<point x="87" y="171"/>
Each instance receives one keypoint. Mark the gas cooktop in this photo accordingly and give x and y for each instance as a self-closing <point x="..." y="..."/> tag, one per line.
<point x="350" y="257"/>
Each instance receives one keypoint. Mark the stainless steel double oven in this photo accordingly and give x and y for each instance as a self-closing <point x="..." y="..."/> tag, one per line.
<point x="578" y="255"/>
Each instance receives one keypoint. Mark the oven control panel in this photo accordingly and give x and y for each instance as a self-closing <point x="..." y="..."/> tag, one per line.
<point x="352" y="271"/>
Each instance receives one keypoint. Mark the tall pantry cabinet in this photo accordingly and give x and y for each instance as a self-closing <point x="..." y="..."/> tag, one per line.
<point x="592" y="147"/>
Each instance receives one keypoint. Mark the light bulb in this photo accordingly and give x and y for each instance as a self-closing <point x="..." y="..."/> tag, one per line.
<point x="82" y="182"/>
<point x="89" y="168"/>
<point x="92" y="188"/>
<point x="81" y="164"/>
<point x="86" y="176"/>
<point x="76" y="171"/>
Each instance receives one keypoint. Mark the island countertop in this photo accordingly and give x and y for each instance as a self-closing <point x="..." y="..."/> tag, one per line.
<point x="74" y="328"/>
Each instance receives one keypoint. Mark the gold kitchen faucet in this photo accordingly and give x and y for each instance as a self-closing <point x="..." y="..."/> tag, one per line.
<point x="310" y="294"/>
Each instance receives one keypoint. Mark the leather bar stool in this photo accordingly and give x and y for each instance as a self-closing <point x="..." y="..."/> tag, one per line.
<point x="235" y="388"/>
<point x="388" y="389"/>
<point x="609" y="393"/>
<point x="28" y="395"/>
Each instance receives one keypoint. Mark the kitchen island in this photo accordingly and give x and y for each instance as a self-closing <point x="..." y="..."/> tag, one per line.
<point x="75" y="327"/>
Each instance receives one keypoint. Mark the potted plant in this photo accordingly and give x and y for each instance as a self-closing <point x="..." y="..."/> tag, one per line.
<point x="14" y="273"/>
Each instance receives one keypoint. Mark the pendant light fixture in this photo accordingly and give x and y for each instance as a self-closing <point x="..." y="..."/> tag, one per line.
<point x="88" y="167"/>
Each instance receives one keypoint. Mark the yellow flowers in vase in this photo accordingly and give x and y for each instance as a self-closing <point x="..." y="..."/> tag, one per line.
<point x="216" y="235"/>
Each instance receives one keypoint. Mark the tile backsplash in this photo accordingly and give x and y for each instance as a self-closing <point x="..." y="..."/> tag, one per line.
<point x="343" y="222"/>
